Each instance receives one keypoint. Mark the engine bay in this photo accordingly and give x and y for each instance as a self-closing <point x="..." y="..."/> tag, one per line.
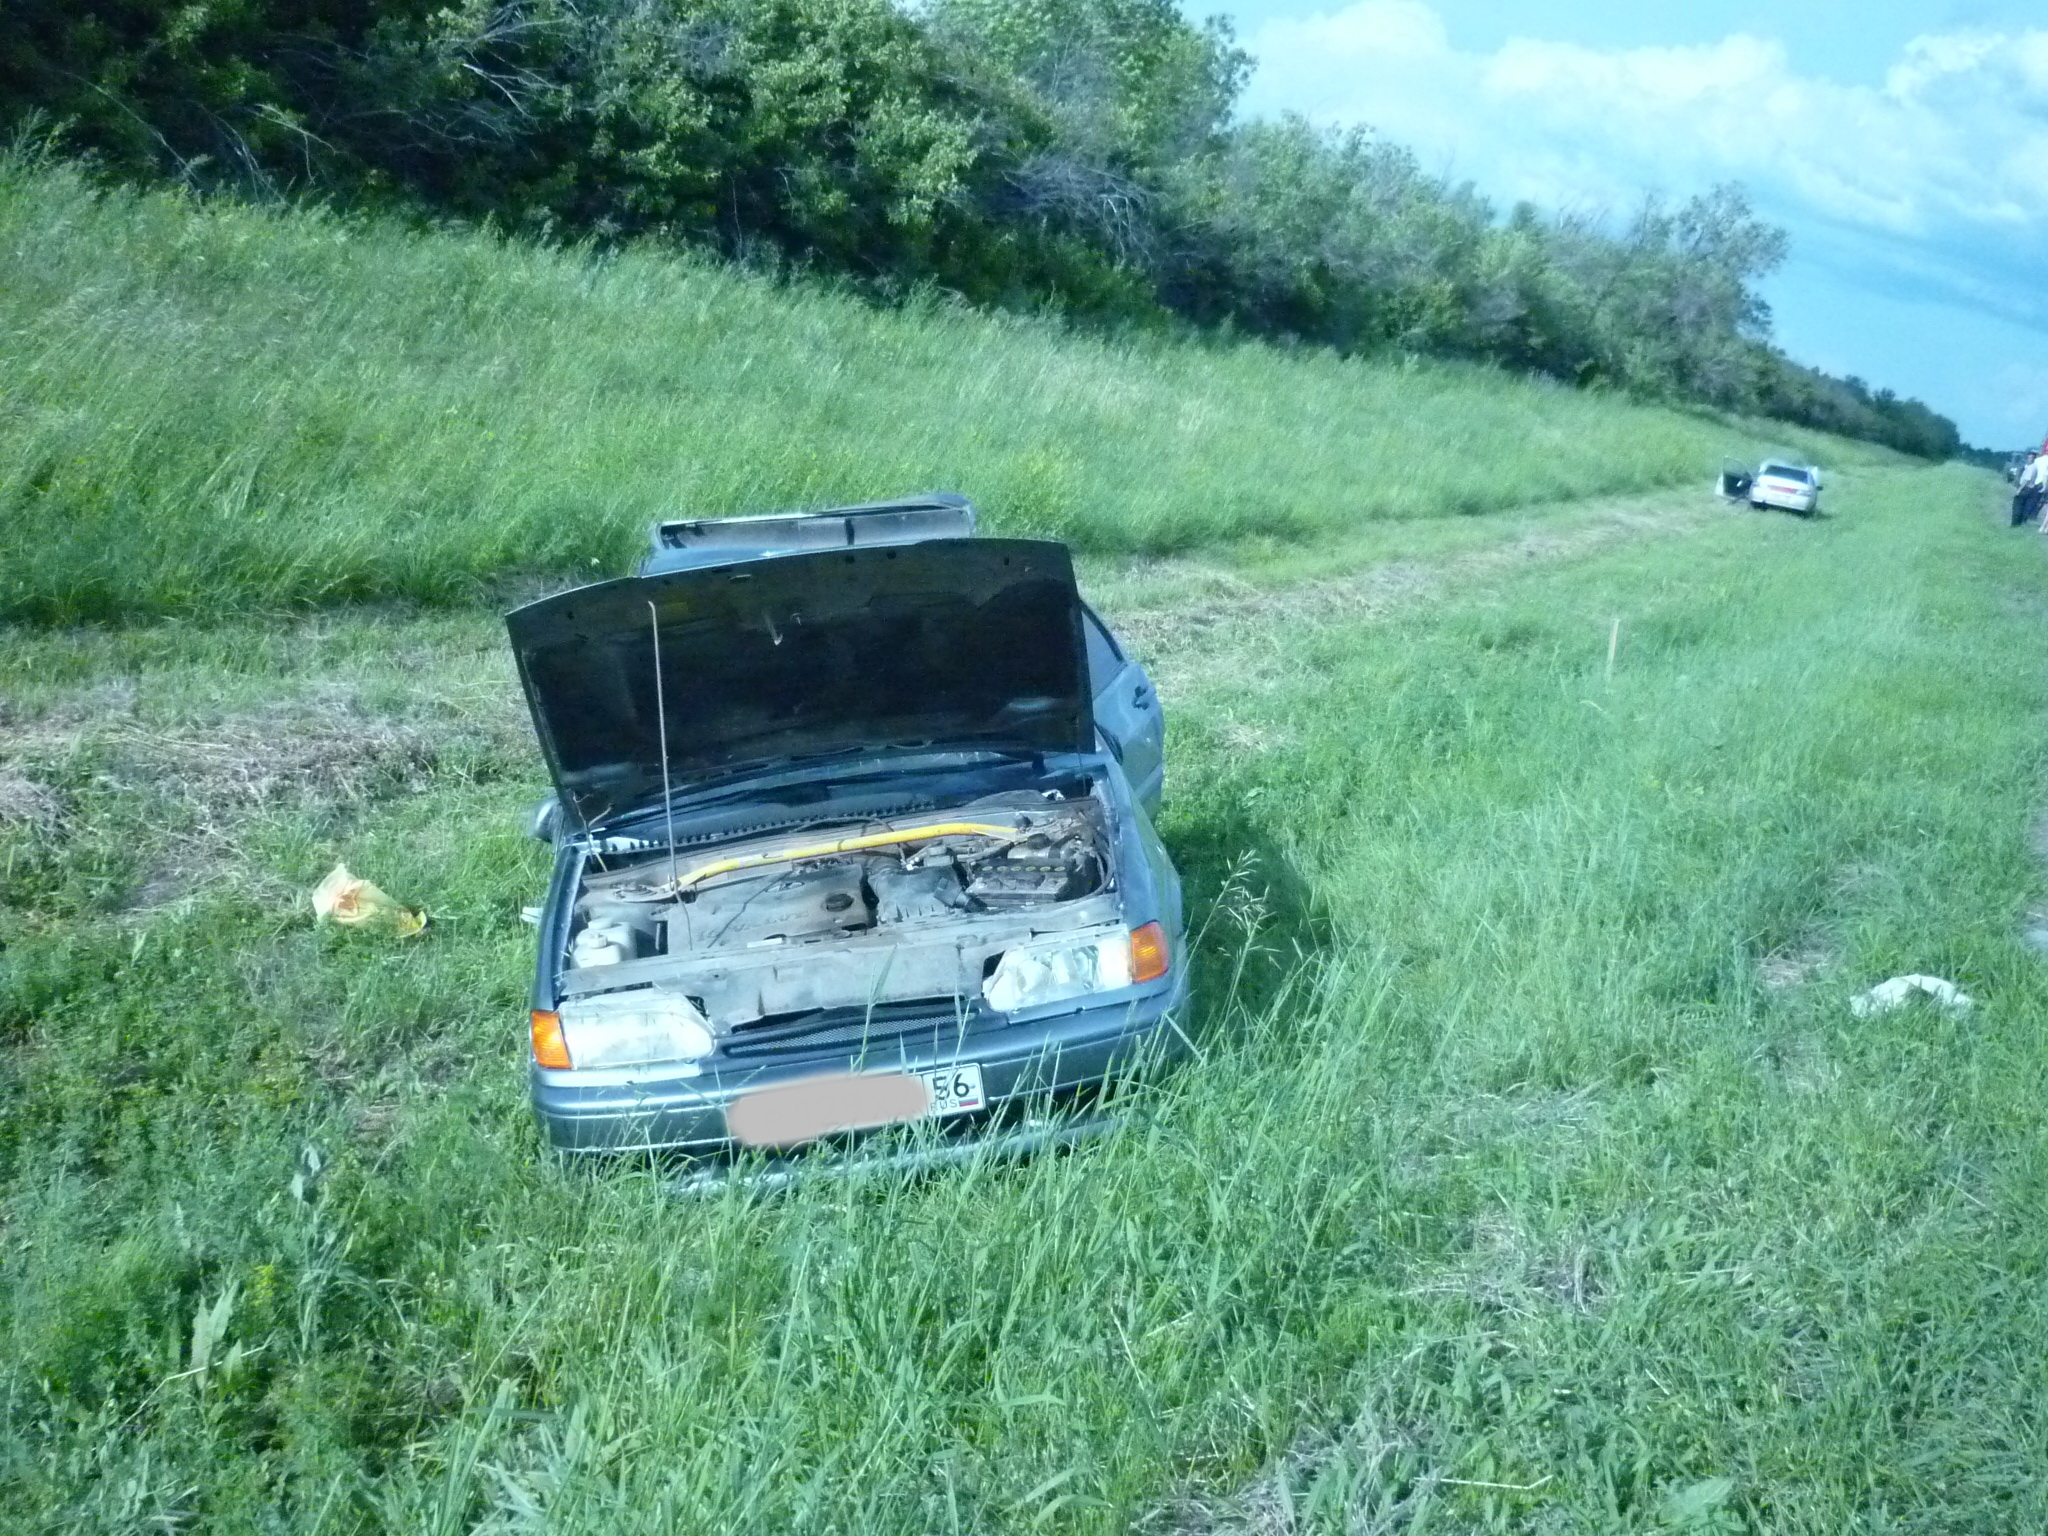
<point x="839" y="914"/>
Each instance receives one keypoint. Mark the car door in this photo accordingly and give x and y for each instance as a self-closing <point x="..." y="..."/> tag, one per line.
<point x="1127" y="712"/>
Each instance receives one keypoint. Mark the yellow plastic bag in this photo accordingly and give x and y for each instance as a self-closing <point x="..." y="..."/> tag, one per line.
<point x="343" y="899"/>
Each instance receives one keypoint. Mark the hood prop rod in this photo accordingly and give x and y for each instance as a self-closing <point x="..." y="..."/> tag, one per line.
<point x="668" y="799"/>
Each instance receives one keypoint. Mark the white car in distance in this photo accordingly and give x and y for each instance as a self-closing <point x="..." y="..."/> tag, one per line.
<point x="1788" y="487"/>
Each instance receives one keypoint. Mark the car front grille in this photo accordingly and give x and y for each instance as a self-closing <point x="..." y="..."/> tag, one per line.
<point x="921" y="1026"/>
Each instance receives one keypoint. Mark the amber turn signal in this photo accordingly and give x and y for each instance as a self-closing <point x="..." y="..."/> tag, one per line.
<point x="1148" y="953"/>
<point x="549" y="1048"/>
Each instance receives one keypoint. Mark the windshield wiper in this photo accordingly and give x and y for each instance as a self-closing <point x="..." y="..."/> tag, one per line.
<point x="793" y="772"/>
<point x="938" y="759"/>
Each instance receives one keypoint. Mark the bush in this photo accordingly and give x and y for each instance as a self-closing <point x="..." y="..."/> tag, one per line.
<point x="1077" y="153"/>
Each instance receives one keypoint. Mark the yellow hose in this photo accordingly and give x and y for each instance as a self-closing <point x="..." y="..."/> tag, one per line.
<point x="843" y="845"/>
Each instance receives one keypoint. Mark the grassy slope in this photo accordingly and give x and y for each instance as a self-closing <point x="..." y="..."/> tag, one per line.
<point x="240" y="408"/>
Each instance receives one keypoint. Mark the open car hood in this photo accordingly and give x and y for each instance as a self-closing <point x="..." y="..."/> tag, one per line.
<point x="955" y="643"/>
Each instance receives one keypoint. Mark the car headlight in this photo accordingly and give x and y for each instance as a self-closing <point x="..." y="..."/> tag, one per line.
<point x="631" y="1029"/>
<point x="1052" y="970"/>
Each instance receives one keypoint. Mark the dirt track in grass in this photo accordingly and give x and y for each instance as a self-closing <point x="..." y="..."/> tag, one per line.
<point x="1185" y="618"/>
<point x="307" y="739"/>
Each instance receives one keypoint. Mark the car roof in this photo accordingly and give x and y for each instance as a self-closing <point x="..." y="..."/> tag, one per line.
<point x="690" y="544"/>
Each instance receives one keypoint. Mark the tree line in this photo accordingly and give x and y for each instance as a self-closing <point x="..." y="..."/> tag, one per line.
<point x="1080" y="155"/>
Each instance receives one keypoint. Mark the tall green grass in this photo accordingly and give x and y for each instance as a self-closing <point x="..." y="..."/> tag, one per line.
<point x="1505" y="1196"/>
<point x="222" y="407"/>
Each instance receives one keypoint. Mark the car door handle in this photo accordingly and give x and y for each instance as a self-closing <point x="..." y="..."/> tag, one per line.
<point x="1141" y="696"/>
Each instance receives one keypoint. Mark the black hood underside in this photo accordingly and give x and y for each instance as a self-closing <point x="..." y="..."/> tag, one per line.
<point x="955" y="643"/>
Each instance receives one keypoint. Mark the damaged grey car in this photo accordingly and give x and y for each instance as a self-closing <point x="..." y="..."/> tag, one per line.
<point x="853" y="826"/>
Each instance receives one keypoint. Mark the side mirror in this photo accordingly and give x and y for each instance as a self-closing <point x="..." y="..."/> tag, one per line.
<point x="545" y="825"/>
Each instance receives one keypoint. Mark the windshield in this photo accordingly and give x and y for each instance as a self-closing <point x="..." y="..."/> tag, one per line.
<point x="1785" y="472"/>
<point x="899" y="782"/>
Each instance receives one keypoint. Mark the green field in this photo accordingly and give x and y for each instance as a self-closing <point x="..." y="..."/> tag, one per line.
<point x="1534" y="1175"/>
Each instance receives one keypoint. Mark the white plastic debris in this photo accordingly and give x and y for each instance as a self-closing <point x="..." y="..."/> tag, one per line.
<point x="1901" y="990"/>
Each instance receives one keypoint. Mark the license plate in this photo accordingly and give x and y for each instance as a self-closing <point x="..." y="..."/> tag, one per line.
<point x="793" y="1113"/>
<point x="954" y="1090"/>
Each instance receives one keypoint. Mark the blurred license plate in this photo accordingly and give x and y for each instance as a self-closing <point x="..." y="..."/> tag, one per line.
<point x="955" y="1090"/>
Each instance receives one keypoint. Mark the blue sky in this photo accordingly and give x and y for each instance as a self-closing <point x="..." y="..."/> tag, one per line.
<point x="1905" y="148"/>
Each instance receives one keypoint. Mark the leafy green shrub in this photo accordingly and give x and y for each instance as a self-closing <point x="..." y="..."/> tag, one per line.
<point x="1072" y="152"/>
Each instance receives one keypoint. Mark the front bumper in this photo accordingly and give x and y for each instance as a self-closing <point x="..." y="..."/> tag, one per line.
<point x="1018" y="1060"/>
<point x="1785" y="501"/>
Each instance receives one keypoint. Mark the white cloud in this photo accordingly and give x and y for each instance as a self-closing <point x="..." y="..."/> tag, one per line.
<point x="1956" y="135"/>
<point x="1933" y="182"/>
<point x="1958" y="132"/>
